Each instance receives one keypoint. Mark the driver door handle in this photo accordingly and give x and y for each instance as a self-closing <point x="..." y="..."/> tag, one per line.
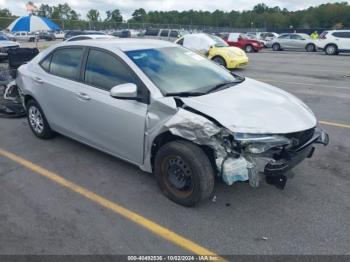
<point x="83" y="96"/>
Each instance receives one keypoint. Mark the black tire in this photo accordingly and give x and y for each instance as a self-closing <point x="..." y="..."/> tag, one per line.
<point x="276" y="47"/>
<point x="42" y="130"/>
<point x="184" y="173"/>
<point x="249" y="48"/>
<point x="331" y="50"/>
<point x="310" y="48"/>
<point x="219" y="60"/>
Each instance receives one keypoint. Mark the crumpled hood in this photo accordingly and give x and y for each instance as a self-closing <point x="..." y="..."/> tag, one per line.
<point x="255" y="107"/>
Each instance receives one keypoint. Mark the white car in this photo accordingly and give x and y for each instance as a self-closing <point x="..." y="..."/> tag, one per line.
<point x="25" y="36"/>
<point x="59" y="34"/>
<point x="169" y="111"/>
<point x="5" y="45"/>
<point x="87" y="37"/>
<point x="334" y="42"/>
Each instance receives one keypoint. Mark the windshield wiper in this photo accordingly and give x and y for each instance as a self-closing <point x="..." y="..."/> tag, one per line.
<point x="223" y="85"/>
<point x="184" y="94"/>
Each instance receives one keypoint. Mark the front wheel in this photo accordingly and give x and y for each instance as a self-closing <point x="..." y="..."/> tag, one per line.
<point x="37" y="121"/>
<point x="184" y="173"/>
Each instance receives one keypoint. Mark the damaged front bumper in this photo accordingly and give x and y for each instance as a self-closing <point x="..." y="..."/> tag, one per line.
<point x="274" y="163"/>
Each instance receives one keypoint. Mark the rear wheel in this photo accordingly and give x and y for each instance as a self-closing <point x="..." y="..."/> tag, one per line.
<point x="276" y="47"/>
<point x="37" y="121"/>
<point x="249" y="49"/>
<point x="331" y="50"/>
<point x="310" y="48"/>
<point x="219" y="60"/>
<point x="184" y="173"/>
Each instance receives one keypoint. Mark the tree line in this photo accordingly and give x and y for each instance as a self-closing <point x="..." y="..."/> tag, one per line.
<point x="335" y="15"/>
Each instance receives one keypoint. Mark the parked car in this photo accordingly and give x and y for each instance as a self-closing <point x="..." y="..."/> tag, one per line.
<point x="164" y="34"/>
<point x="243" y="42"/>
<point x="265" y="37"/>
<point x="169" y="111"/>
<point x="59" y="34"/>
<point x="25" y="36"/>
<point x="87" y="37"/>
<point x="294" y="42"/>
<point x="9" y="35"/>
<point x="334" y="42"/>
<point x="72" y="33"/>
<point x="215" y="49"/>
<point x="45" y="35"/>
<point x="122" y="33"/>
<point x="5" y="45"/>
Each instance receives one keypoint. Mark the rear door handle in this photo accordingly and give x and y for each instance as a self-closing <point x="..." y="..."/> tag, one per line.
<point x="83" y="96"/>
<point x="38" y="80"/>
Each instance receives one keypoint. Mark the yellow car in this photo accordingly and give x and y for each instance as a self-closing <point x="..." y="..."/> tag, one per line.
<point x="215" y="49"/>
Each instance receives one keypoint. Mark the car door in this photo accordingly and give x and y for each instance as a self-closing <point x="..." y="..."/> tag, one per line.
<point x="113" y="125"/>
<point x="233" y="39"/>
<point x="342" y="40"/>
<point x="57" y="85"/>
<point x="284" y="40"/>
<point x="297" y="42"/>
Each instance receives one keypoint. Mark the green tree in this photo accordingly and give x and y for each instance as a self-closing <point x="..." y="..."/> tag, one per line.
<point x="114" y="16"/>
<point x="93" y="15"/>
<point x="139" y="15"/>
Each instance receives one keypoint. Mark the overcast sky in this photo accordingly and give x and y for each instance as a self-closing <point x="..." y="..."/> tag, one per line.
<point x="17" y="7"/>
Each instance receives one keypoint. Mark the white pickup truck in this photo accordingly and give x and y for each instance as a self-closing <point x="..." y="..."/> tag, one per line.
<point x="25" y="36"/>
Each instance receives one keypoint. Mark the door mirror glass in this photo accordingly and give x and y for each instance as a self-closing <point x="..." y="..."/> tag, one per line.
<point x="124" y="91"/>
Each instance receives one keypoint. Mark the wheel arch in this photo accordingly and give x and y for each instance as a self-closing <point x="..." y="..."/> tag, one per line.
<point x="219" y="56"/>
<point x="167" y="137"/>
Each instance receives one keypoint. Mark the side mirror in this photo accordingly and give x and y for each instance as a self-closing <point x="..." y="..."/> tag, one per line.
<point x="124" y="91"/>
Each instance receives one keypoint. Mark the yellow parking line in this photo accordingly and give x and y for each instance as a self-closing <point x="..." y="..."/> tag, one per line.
<point x="333" y="124"/>
<point x="128" y="214"/>
<point x="303" y="84"/>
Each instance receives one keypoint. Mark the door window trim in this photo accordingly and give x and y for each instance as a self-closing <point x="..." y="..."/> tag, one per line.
<point x="52" y="53"/>
<point x="143" y="99"/>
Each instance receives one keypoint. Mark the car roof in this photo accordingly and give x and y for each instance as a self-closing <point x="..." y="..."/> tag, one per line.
<point x="124" y="44"/>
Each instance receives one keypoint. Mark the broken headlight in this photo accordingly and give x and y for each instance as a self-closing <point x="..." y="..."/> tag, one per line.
<point x="257" y="144"/>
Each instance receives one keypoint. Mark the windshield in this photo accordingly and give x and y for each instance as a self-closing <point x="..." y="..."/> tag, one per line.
<point x="179" y="70"/>
<point x="218" y="41"/>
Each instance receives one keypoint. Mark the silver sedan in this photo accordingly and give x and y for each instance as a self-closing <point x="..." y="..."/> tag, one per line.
<point x="169" y="111"/>
<point x="293" y="42"/>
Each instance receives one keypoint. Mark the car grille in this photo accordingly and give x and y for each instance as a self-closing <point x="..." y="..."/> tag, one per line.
<point x="300" y="138"/>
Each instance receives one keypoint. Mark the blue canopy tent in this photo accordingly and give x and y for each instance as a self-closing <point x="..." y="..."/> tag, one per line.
<point x="33" y="23"/>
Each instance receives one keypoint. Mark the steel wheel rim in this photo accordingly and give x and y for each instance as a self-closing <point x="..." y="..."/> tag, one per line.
<point x="177" y="176"/>
<point x="35" y="119"/>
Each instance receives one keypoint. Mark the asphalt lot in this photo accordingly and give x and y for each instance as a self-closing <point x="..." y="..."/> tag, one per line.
<point x="311" y="216"/>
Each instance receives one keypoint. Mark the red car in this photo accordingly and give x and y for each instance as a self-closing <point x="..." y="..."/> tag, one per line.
<point x="243" y="42"/>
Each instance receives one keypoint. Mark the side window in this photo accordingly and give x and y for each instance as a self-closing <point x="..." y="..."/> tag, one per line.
<point x="45" y="64"/>
<point x="78" y="38"/>
<point x="164" y="33"/>
<point x="152" y="32"/>
<point x="66" y="62"/>
<point x="284" y="37"/>
<point x="174" y="33"/>
<point x="342" y="34"/>
<point x="104" y="71"/>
